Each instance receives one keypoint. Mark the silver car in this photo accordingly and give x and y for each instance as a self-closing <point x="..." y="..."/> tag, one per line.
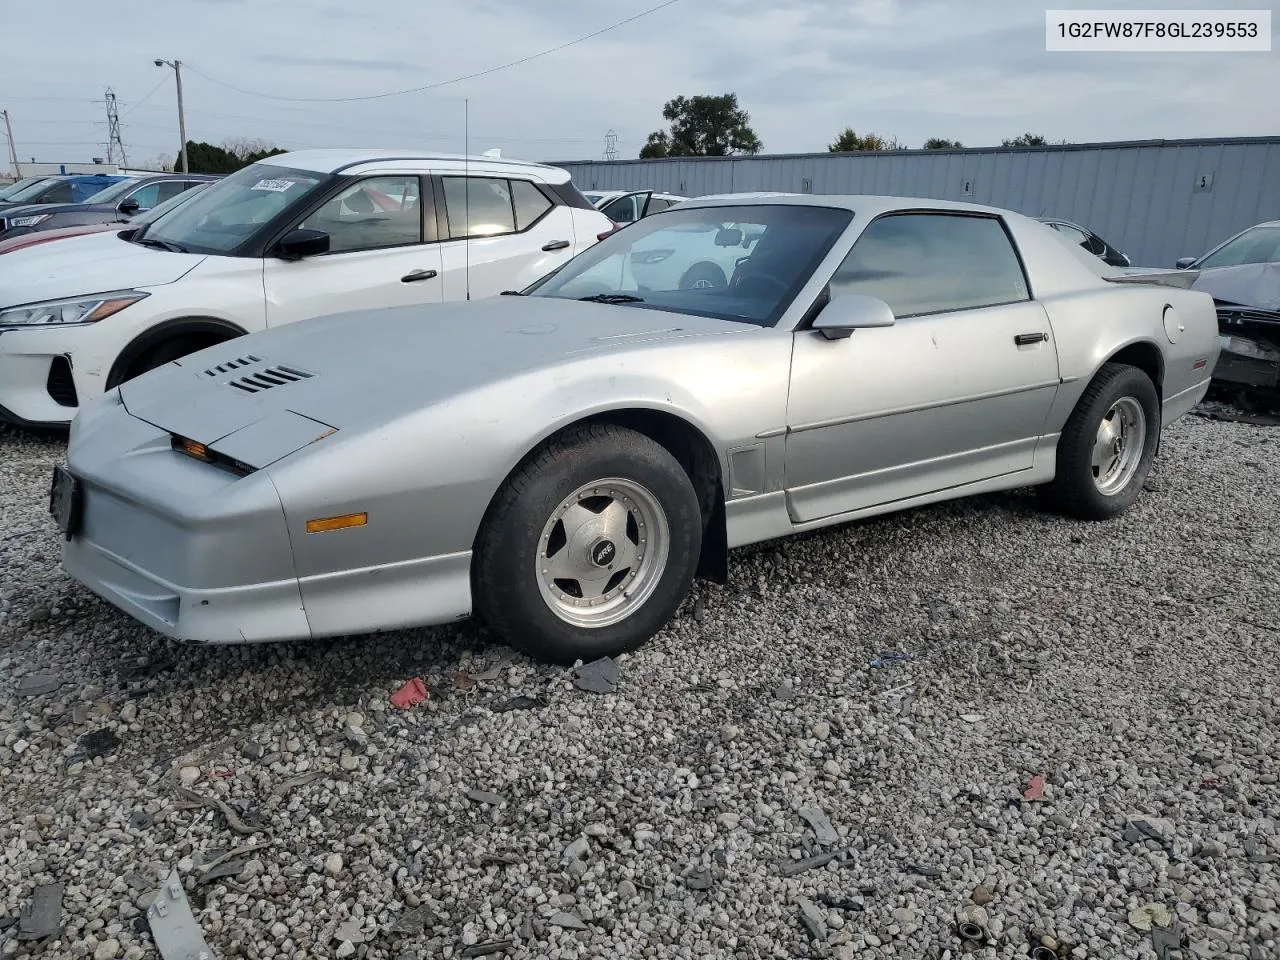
<point x="564" y="461"/>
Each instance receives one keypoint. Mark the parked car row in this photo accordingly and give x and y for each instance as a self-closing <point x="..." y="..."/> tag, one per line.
<point x="293" y="236"/>
<point x="125" y="197"/>
<point x="70" y="188"/>
<point x="47" y="233"/>
<point x="281" y="429"/>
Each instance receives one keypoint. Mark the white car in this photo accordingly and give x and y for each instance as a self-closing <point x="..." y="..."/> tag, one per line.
<point x="692" y="256"/>
<point x="623" y="206"/>
<point x="293" y="236"/>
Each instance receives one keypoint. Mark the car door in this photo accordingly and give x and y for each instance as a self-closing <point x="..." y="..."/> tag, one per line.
<point x="955" y="392"/>
<point x="382" y="253"/>
<point x="502" y="233"/>
<point x="628" y="208"/>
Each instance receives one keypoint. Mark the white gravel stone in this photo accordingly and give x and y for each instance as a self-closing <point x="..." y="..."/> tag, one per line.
<point x="1131" y="663"/>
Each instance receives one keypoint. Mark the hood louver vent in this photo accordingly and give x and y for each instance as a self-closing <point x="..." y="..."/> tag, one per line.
<point x="239" y="374"/>
<point x="276" y="376"/>
<point x="231" y="366"/>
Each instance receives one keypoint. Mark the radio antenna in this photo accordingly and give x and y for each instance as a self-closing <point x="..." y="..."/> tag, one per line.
<point x="466" y="185"/>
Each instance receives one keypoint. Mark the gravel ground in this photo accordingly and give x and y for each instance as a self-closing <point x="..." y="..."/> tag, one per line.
<point x="1134" y="666"/>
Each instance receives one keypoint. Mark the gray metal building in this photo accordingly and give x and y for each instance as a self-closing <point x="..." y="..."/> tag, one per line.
<point x="1156" y="200"/>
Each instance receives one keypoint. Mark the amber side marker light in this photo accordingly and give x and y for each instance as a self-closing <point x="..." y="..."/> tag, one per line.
<point x="326" y="524"/>
<point x="191" y="447"/>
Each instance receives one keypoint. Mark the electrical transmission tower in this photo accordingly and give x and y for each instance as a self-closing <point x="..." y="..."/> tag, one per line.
<point x="611" y="145"/>
<point x="114" y="143"/>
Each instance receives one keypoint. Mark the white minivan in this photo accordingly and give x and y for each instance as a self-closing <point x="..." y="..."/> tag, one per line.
<point x="293" y="236"/>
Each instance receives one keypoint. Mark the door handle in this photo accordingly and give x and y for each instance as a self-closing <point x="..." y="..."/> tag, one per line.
<point x="555" y="245"/>
<point x="1026" y="339"/>
<point x="417" y="275"/>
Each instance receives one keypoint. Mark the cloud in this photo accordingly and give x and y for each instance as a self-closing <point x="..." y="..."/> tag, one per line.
<point x="804" y="70"/>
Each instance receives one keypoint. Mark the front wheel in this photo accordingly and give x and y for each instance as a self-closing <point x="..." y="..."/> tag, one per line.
<point x="1107" y="446"/>
<point x="589" y="547"/>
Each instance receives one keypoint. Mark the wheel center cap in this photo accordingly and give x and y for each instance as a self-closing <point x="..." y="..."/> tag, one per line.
<point x="603" y="552"/>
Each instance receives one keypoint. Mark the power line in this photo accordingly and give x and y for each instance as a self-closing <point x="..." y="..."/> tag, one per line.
<point x="441" y="83"/>
<point x="150" y="94"/>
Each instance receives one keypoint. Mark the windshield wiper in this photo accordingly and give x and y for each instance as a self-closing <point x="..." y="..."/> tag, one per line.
<point x="613" y="298"/>
<point x="511" y="293"/>
<point x="161" y="244"/>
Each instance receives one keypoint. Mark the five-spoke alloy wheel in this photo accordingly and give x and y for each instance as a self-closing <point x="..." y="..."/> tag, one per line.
<point x="1107" y="445"/>
<point x="589" y="547"/>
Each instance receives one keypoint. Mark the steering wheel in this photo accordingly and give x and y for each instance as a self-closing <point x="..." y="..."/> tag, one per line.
<point x="767" y="278"/>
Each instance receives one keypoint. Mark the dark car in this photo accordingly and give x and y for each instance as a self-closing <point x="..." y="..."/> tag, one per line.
<point x="64" y="188"/>
<point x="1242" y="274"/>
<point x="1089" y="240"/>
<point x="20" y="185"/>
<point x="118" y="201"/>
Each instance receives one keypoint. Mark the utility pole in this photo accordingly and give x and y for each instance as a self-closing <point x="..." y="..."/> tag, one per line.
<point x="182" y="123"/>
<point x="13" y="150"/>
<point x="114" y="142"/>
<point x="611" y="145"/>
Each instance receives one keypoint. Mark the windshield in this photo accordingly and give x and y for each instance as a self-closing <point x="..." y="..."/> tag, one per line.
<point x="234" y="208"/>
<point x="14" y="188"/>
<point x="160" y="209"/>
<point x="113" y="192"/>
<point x="34" y="189"/>
<point x="593" y="198"/>
<point x="1255" y="245"/>
<point x="741" y="262"/>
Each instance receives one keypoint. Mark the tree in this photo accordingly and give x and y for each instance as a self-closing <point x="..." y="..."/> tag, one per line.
<point x="703" y="126"/>
<point x="250" y="149"/>
<point x="162" y="162"/>
<point x="941" y="143"/>
<point x="851" y="142"/>
<point x="1025" y="140"/>
<point x="206" y="158"/>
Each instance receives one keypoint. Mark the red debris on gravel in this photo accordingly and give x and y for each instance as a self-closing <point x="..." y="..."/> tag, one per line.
<point x="411" y="694"/>
<point x="1035" y="789"/>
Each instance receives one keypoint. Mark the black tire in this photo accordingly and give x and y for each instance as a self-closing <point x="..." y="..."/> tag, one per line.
<point x="505" y="584"/>
<point x="1074" y="490"/>
<point x="703" y="274"/>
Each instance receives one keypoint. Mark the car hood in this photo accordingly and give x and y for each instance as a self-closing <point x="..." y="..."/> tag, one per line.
<point x="1250" y="284"/>
<point x="9" y="244"/>
<point x="27" y="209"/>
<point x="261" y="397"/>
<point x="93" y="263"/>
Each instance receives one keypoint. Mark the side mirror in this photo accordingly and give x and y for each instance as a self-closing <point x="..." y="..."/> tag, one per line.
<point x="302" y="242"/>
<point x="850" y="312"/>
<point x="129" y="206"/>
<point x="1183" y="262"/>
<point x="729" y="237"/>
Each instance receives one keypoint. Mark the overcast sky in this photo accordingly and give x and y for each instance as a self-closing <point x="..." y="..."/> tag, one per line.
<point x="972" y="70"/>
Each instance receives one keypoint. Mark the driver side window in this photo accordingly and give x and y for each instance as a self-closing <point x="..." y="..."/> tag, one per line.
<point x="624" y="209"/>
<point x="371" y="214"/>
<point x="147" y="196"/>
<point x="923" y="263"/>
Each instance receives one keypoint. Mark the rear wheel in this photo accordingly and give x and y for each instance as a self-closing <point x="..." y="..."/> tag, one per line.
<point x="1107" y="446"/>
<point x="590" y="546"/>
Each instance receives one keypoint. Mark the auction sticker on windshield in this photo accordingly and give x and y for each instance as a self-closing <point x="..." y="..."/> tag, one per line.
<point x="275" y="186"/>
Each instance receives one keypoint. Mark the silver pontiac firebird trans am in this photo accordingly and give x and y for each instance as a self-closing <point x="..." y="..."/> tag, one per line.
<point x="564" y="460"/>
